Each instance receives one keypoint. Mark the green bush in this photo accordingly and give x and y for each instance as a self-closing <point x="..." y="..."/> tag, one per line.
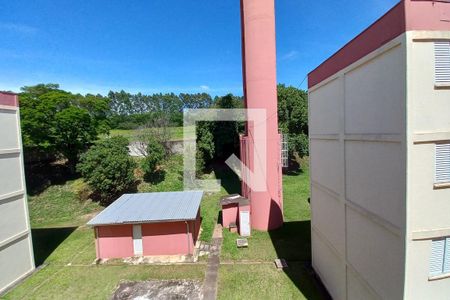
<point x="293" y="118"/>
<point x="82" y="190"/>
<point x="108" y="168"/>
<point x="155" y="154"/>
<point x="298" y="143"/>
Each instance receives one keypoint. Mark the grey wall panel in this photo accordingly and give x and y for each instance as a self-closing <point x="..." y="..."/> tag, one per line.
<point x="376" y="91"/>
<point x="376" y="254"/>
<point x="375" y="178"/>
<point x="325" y="164"/>
<point x="8" y="125"/>
<point x="328" y="216"/>
<point x="15" y="261"/>
<point x="12" y="217"/>
<point x="330" y="267"/>
<point x="10" y="174"/>
<point x="325" y="102"/>
<point x="357" y="290"/>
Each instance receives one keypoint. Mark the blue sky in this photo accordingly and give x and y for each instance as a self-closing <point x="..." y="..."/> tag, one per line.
<point x="164" y="45"/>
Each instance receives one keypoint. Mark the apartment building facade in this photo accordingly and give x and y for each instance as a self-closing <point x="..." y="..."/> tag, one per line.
<point x="16" y="250"/>
<point x="380" y="159"/>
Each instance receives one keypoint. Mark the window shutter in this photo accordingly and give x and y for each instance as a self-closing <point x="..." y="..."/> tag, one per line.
<point x="442" y="62"/>
<point x="442" y="163"/>
<point x="436" y="259"/>
<point x="447" y="256"/>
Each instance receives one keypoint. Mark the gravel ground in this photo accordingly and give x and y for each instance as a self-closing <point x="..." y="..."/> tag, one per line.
<point x="158" y="289"/>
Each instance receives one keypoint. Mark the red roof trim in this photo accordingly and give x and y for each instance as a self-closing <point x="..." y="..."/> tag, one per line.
<point x="8" y="99"/>
<point x="406" y="15"/>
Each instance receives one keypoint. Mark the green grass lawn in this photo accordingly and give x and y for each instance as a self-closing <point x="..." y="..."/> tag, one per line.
<point x="176" y="133"/>
<point x="263" y="281"/>
<point x="65" y="245"/>
<point x="95" y="282"/>
<point x="58" y="206"/>
<point x="292" y="241"/>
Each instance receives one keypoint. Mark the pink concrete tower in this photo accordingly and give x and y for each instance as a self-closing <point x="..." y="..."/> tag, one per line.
<point x="260" y="91"/>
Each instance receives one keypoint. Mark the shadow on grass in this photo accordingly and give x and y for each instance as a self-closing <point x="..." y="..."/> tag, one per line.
<point x="293" y="243"/>
<point x="229" y="180"/>
<point x="40" y="176"/>
<point x="155" y="177"/>
<point x="293" y="168"/>
<point x="46" y="240"/>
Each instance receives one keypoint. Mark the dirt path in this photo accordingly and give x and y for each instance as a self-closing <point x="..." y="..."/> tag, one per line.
<point x="210" y="283"/>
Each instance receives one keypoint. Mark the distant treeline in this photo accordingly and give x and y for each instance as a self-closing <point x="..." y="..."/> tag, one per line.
<point x="58" y="123"/>
<point x="129" y="111"/>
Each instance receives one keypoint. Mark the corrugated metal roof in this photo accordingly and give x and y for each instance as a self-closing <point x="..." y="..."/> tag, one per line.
<point x="234" y="198"/>
<point x="150" y="207"/>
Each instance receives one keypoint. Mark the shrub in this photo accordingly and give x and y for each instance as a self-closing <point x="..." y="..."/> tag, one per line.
<point x="107" y="167"/>
<point x="298" y="143"/>
<point x="155" y="154"/>
<point x="81" y="189"/>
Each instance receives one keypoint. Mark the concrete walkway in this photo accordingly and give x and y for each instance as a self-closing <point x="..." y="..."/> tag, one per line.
<point x="210" y="284"/>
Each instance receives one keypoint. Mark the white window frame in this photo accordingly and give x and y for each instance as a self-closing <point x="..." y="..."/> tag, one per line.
<point x="442" y="256"/>
<point x="442" y="164"/>
<point x="442" y="63"/>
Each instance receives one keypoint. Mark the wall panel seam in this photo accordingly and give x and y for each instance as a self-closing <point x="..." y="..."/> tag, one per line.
<point x="6" y="197"/>
<point x="13" y="239"/>
<point x="394" y="229"/>
<point x="327" y="190"/>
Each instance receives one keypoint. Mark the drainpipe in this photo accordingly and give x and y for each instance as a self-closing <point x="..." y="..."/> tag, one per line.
<point x="187" y="235"/>
<point x="97" y="242"/>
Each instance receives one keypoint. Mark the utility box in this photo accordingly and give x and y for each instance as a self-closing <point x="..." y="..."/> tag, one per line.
<point x="236" y="210"/>
<point x="379" y="121"/>
<point x="16" y="250"/>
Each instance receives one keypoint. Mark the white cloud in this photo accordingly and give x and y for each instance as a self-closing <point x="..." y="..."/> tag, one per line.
<point x="205" y="88"/>
<point x="18" y="28"/>
<point x="290" y="55"/>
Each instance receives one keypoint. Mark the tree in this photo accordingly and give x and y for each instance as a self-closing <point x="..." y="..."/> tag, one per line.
<point x="73" y="131"/>
<point x="200" y="100"/>
<point x="40" y="89"/>
<point x="218" y="140"/>
<point x="158" y="129"/>
<point x="293" y="117"/>
<point x="226" y="133"/>
<point x="107" y="167"/>
<point x="38" y="106"/>
<point x="155" y="155"/>
<point x="58" y="122"/>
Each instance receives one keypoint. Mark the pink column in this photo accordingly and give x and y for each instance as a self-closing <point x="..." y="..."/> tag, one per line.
<point x="260" y="91"/>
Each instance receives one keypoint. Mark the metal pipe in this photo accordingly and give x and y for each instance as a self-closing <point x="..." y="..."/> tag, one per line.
<point x="97" y="242"/>
<point x="187" y="233"/>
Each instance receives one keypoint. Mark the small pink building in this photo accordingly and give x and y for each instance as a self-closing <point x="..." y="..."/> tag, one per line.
<point x="236" y="213"/>
<point x="148" y="224"/>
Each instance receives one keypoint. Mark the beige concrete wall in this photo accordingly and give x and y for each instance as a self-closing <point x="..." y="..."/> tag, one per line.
<point x="358" y="176"/>
<point x="16" y="253"/>
<point x="428" y="208"/>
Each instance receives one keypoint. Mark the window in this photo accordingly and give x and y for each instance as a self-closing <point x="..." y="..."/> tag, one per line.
<point x="442" y="63"/>
<point x="284" y="151"/>
<point x="440" y="257"/>
<point x="442" y="163"/>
